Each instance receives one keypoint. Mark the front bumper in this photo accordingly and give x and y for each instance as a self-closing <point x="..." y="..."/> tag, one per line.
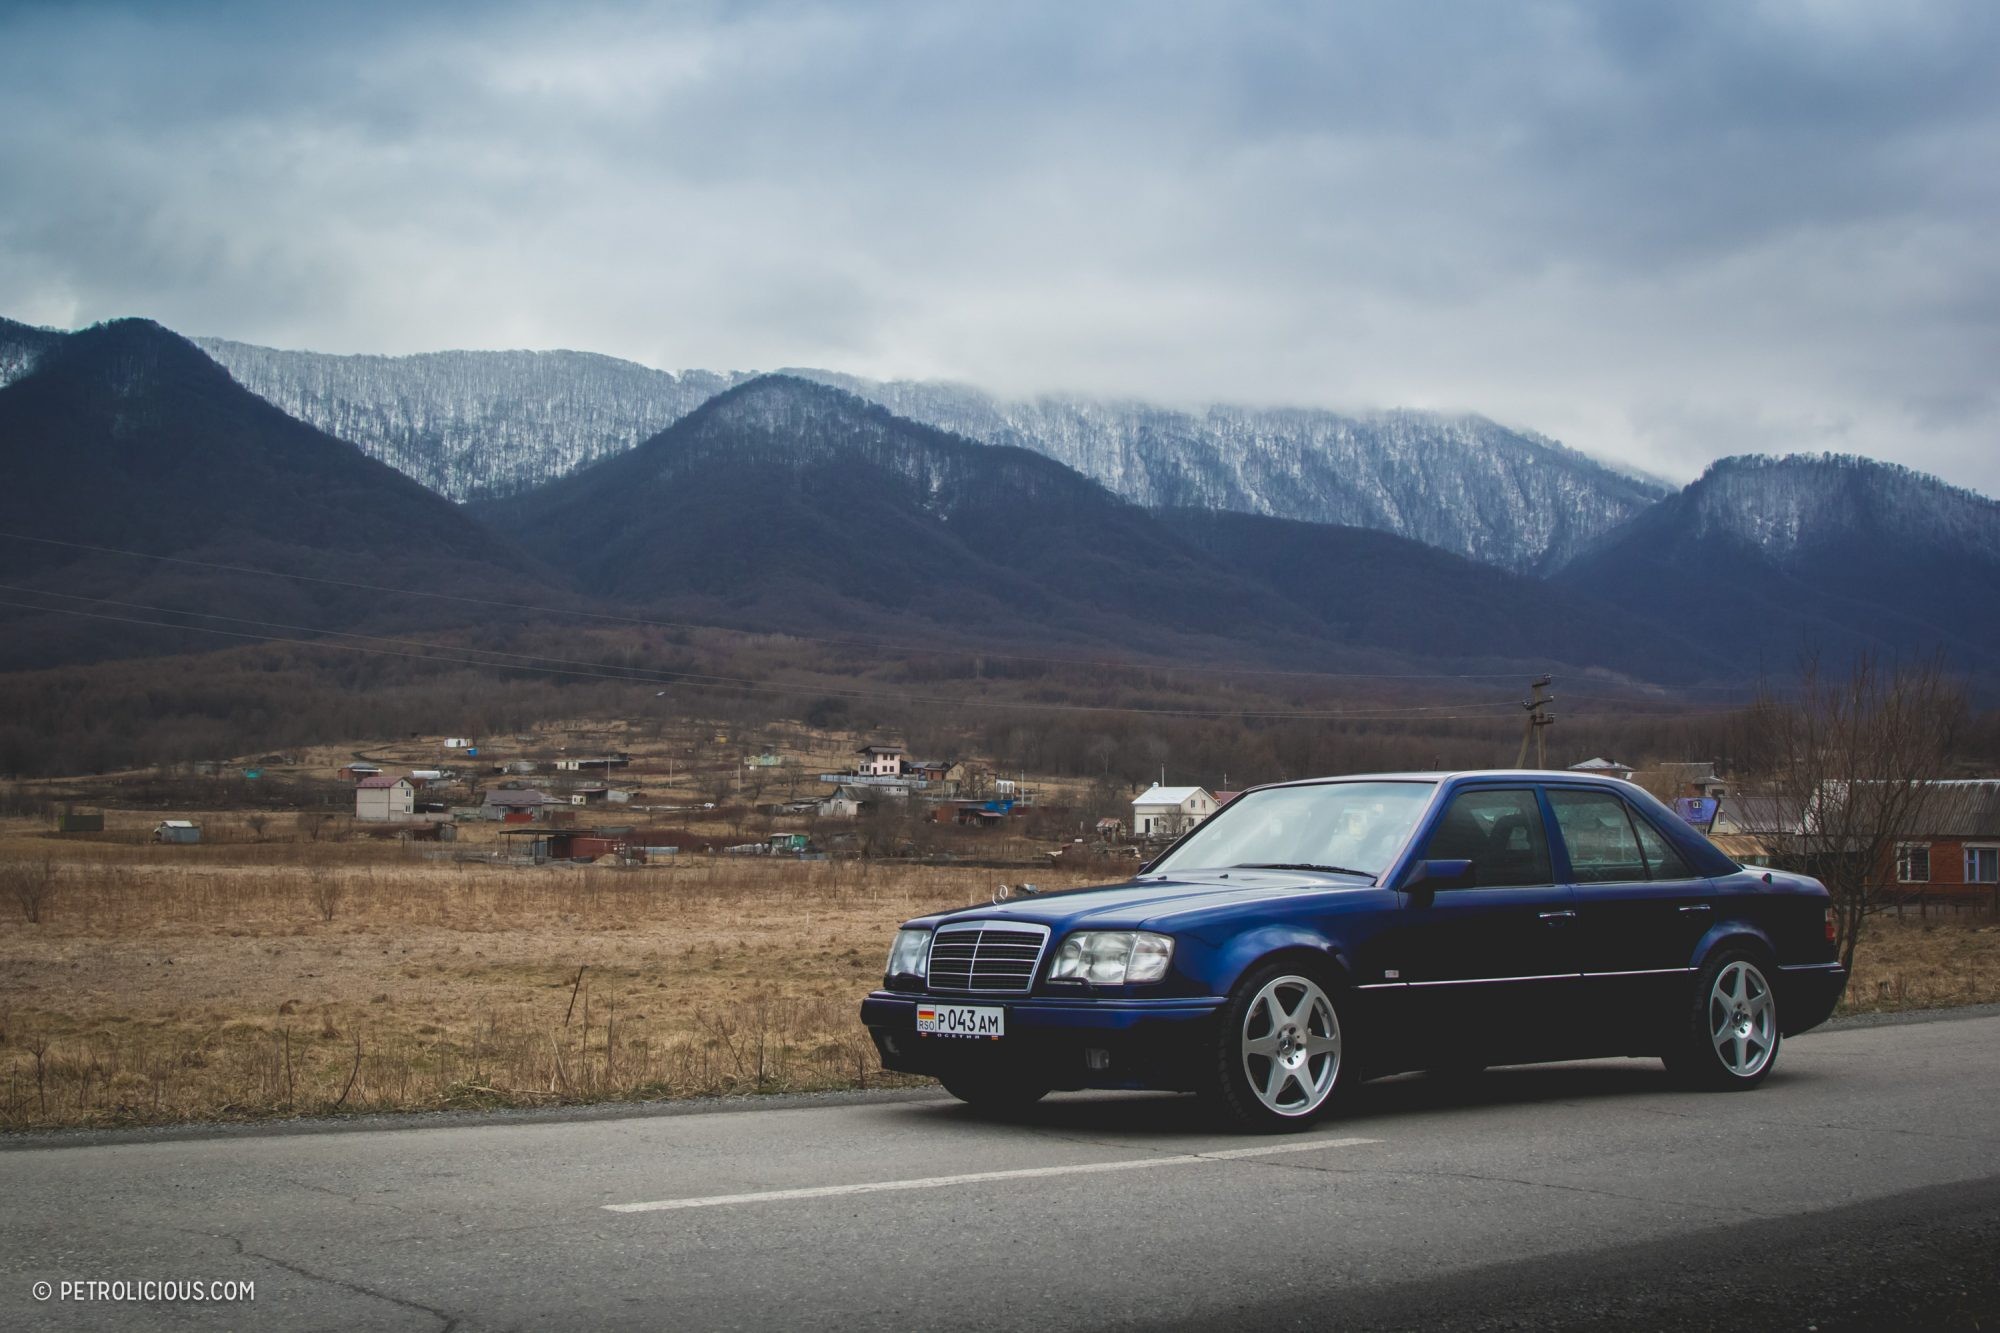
<point x="1807" y="995"/>
<point x="1066" y="1042"/>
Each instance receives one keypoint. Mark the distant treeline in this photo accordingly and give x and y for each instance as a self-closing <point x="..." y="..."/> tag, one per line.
<point x="1040" y="717"/>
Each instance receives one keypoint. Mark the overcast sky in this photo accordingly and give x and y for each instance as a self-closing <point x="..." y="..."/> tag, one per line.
<point x="1660" y="232"/>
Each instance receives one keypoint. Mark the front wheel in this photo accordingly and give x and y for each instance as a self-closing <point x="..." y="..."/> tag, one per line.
<point x="1280" y="1059"/>
<point x="1729" y="1038"/>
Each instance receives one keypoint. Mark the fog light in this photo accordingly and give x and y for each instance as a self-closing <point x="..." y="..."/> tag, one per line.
<point x="1095" y="1058"/>
<point x="889" y="1044"/>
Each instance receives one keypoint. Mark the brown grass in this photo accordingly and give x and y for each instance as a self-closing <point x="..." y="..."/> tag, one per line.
<point x="252" y="980"/>
<point x="1909" y="964"/>
<point x="249" y="979"/>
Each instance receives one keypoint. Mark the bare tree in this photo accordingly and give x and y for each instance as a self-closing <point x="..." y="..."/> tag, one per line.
<point x="1853" y="763"/>
<point x="324" y="891"/>
<point x="32" y="885"/>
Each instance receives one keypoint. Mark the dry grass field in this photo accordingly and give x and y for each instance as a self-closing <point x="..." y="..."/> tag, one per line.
<point x="245" y="979"/>
<point x="1936" y="964"/>
<point x="251" y="980"/>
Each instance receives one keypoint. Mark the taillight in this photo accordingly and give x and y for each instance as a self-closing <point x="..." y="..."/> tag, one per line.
<point x="1829" y="925"/>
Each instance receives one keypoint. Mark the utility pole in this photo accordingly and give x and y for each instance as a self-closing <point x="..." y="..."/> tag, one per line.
<point x="1535" y="729"/>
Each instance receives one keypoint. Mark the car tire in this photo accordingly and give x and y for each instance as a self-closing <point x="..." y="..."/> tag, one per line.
<point x="994" y="1094"/>
<point x="1283" y="1047"/>
<point x="1728" y="1035"/>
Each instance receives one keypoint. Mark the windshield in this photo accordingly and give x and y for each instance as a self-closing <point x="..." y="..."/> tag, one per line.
<point x="1352" y="826"/>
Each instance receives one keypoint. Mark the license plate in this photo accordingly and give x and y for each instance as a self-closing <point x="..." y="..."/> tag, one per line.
<point x="961" y="1020"/>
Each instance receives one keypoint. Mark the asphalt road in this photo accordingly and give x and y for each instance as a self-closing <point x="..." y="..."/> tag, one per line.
<point x="1861" y="1183"/>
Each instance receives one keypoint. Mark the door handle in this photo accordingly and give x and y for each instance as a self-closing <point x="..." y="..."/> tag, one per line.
<point x="1692" y="908"/>
<point x="1561" y="918"/>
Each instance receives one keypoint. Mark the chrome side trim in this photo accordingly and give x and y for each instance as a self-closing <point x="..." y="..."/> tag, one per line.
<point x="1645" y="972"/>
<point x="1550" y="976"/>
<point x="1491" y="981"/>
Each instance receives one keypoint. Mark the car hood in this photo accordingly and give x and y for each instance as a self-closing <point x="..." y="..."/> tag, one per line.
<point x="1143" y="902"/>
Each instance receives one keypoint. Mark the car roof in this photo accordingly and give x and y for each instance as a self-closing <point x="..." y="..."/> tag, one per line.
<point x="1464" y="774"/>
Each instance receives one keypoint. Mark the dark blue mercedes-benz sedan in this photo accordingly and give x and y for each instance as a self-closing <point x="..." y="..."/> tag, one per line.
<point x="1315" y="934"/>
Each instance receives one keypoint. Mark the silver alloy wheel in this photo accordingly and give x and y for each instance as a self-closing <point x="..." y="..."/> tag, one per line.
<point x="1742" y="1019"/>
<point x="1291" y="1046"/>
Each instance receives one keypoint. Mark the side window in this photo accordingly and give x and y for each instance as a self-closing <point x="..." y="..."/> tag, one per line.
<point x="1602" y="847"/>
<point x="1500" y="832"/>
<point x="1661" y="858"/>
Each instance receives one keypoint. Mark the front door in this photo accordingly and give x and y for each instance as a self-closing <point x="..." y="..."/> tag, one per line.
<point x="1493" y="969"/>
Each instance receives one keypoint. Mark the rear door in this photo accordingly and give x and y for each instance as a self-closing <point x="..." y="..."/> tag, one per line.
<point x="1640" y="908"/>
<point x="1493" y="970"/>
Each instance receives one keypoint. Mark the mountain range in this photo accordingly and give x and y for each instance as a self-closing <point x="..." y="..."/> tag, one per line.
<point x="126" y="436"/>
<point x="477" y="425"/>
<point x="787" y="501"/>
<point x="1778" y="555"/>
<point x="794" y="502"/>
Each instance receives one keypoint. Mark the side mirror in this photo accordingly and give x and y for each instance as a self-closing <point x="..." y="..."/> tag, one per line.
<point x="1430" y="877"/>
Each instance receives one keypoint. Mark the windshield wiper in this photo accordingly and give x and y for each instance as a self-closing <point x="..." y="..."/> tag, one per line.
<point x="1303" y="865"/>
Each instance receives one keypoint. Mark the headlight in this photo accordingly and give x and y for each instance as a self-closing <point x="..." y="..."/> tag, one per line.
<point x="1112" y="957"/>
<point x="911" y="952"/>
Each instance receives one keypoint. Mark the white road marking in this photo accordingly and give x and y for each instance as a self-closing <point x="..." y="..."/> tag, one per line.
<point x="982" y="1177"/>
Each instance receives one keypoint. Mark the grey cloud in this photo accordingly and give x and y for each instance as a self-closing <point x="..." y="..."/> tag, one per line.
<point x="1658" y="231"/>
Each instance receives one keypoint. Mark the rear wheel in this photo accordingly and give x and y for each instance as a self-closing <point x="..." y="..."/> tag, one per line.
<point x="1280" y="1060"/>
<point x="1729" y="1037"/>
<point x="994" y="1093"/>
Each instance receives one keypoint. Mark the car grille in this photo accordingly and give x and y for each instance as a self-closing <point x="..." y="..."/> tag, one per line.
<point x="987" y="956"/>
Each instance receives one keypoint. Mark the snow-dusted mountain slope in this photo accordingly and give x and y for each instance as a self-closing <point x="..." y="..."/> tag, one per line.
<point x="21" y="347"/>
<point x="1460" y="483"/>
<point x="1802" y="507"/>
<point x="481" y="424"/>
<point x="1779" y="556"/>
<point x="473" y="424"/>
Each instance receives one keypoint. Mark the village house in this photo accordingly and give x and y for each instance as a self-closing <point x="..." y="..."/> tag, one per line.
<point x="1957" y="854"/>
<point x="845" y="803"/>
<point x="879" y="761"/>
<point x="357" y="771"/>
<point x="177" y="830"/>
<point x="1604" y="768"/>
<point x="1953" y="858"/>
<point x="599" y="764"/>
<point x="513" y="806"/>
<point x="1168" y="812"/>
<point x="929" y="770"/>
<point x="384" y="797"/>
